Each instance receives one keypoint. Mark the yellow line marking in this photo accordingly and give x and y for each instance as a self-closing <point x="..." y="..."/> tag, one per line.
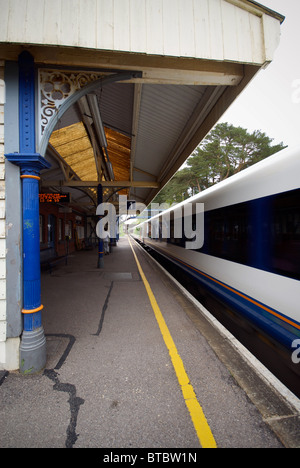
<point x="199" y="420"/>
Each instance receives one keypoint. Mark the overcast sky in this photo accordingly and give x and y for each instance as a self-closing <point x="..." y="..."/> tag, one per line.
<point x="271" y="102"/>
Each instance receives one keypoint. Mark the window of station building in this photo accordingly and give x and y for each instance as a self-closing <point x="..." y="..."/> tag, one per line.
<point x="60" y="229"/>
<point x="51" y="229"/>
<point x="42" y="223"/>
<point x="68" y="229"/>
<point x="80" y="232"/>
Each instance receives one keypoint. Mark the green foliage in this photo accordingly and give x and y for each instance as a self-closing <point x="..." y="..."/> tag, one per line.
<point x="225" y="151"/>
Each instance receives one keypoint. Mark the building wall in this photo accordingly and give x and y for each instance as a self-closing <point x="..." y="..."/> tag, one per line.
<point x="232" y="30"/>
<point x="9" y="346"/>
<point x="11" y="320"/>
<point x="2" y="223"/>
<point x="216" y="30"/>
<point x="65" y="226"/>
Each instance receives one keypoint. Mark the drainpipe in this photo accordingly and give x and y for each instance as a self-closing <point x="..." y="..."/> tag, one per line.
<point x="33" y="342"/>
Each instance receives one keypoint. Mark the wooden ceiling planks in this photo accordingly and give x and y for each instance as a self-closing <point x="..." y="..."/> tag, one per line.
<point x="74" y="146"/>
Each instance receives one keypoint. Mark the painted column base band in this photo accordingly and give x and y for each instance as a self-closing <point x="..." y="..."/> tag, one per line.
<point x="30" y="177"/>
<point x="32" y="311"/>
<point x="33" y="351"/>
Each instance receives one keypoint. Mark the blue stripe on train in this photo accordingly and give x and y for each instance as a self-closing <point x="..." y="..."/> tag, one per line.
<point x="273" y="326"/>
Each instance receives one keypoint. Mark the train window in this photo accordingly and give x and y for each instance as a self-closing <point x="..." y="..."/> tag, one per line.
<point x="219" y="230"/>
<point x="285" y="234"/>
<point x="179" y="241"/>
<point x="262" y="233"/>
<point x="227" y="233"/>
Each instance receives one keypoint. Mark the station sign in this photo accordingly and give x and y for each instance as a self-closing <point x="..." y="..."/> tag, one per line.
<point x="54" y="197"/>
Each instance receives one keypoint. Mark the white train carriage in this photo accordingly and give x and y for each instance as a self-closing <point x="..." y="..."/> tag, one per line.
<point x="250" y="258"/>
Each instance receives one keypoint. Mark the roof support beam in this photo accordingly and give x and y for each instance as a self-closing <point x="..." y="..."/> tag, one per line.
<point x="87" y="120"/>
<point x="67" y="171"/>
<point x="135" y="169"/>
<point x="135" y="121"/>
<point x="104" y="183"/>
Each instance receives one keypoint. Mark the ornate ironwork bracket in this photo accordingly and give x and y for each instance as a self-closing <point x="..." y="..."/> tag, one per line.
<point x="55" y="87"/>
<point x="59" y="89"/>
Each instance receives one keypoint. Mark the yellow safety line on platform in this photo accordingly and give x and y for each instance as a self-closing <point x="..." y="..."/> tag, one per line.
<point x="199" y="420"/>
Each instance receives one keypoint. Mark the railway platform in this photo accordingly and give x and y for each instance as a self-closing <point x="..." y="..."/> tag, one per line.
<point x="133" y="362"/>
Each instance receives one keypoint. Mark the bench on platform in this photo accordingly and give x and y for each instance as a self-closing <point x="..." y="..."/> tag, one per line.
<point x="49" y="259"/>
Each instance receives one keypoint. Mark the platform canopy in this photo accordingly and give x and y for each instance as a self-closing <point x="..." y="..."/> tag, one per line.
<point x="128" y="88"/>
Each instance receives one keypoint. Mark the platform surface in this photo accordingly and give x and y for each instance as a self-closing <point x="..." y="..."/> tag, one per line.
<point x="109" y="380"/>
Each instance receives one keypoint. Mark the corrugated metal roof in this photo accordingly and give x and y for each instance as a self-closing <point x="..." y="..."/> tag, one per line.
<point x="166" y="114"/>
<point x="116" y="106"/>
<point x="165" y="110"/>
<point x="167" y="103"/>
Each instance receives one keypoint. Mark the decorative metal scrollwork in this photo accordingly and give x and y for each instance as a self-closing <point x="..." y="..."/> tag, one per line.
<point x="55" y="86"/>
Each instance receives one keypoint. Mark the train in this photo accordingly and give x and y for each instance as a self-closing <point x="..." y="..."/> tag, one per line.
<point x="249" y="259"/>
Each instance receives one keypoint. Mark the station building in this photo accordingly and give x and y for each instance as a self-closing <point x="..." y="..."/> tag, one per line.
<point x="100" y="98"/>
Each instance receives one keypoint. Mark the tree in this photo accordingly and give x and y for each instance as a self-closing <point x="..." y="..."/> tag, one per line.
<point x="181" y="186"/>
<point x="228" y="150"/>
<point x="225" y="151"/>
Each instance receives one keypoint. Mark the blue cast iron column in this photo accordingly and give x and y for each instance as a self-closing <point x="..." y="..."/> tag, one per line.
<point x="33" y="342"/>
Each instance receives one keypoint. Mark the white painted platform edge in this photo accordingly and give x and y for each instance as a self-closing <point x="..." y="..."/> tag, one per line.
<point x="252" y="361"/>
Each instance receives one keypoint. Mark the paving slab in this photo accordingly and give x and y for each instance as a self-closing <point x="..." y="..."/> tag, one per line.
<point x="109" y="381"/>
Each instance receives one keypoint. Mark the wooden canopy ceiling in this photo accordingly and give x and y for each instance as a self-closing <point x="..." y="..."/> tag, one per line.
<point x="74" y="146"/>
